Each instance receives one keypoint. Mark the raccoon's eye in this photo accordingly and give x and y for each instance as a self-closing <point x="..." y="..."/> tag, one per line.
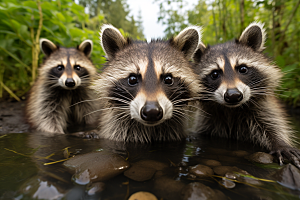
<point x="60" y="67"/>
<point x="168" y="80"/>
<point x="243" y="69"/>
<point x="77" y="67"/>
<point x="214" y="75"/>
<point x="132" y="80"/>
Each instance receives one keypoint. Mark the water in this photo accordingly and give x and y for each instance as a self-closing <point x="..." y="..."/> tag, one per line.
<point x="23" y="174"/>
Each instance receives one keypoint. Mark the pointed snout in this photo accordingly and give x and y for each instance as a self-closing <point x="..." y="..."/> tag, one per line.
<point x="233" y="96"/>
<point x="151" y="111"/>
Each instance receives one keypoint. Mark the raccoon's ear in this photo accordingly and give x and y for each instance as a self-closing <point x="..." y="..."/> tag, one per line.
<point x="199" y="53"/>
<point x="188" y="40"/>
<point x="254" y="36"/>
<point x="86" y="47"/>
<point x="111" y="40"/>
<point x="47" y="47"/>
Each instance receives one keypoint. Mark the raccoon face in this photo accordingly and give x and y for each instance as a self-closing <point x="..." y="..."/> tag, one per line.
<point x="67" y="67"/>
<point x="235" y="73"/>
<point x="149" y="81"/>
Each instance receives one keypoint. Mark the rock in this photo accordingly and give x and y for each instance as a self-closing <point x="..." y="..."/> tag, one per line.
<point x="212" y="163"/>
<point x="198" y="191"/>
<point x="95" y="188"/>
<point x="239" y="153"/>
<point x="222" y="170"/>
<point x="201" y="170"/>
<point x="152" y="164"/>
<point x="288" y="176"/>
<point x="239" y="176"/>
<point x="168" y="188"/>
<point x="227" y="183"/>
<point x="139" y="173"/>
<point x="260" y="157"/>
<point x="98" y="166"/>
<point x="235" y="173"/>
<point x="82" y="178"/>
<point x="159" y="174"/>
<point x="142" y="196"/>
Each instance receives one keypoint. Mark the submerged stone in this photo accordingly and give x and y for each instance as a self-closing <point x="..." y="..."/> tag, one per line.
<point x="212" y="163"/>
<point x="168" y="188"/>
<point x="98" y="166"/>
<point x="288" y="176"/>
<point x="199" y="191"/>
<point x="239" y="153"/>
<point x="201" y="170"/>
<point x="227" y="183"/>
<point x="82" y="178"/>
<point x="260" y="157"/>
<point x="142" y="196"/>
<point x="139" y="173"/>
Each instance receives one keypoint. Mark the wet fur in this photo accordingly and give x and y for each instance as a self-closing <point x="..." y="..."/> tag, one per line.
<point x="51" y="108"/>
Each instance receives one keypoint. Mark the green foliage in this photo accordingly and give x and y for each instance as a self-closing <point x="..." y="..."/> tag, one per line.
<point x="23" y="23"/>
<point x="223" y="20"/>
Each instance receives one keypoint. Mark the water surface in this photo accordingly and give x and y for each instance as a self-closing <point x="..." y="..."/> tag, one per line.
<point x="24" y="175"/>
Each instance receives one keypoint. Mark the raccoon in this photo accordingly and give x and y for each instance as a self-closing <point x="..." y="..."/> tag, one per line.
<point x="63" y="81"/>
<point x="145" y="87"/>
<point x="238" y="84"/>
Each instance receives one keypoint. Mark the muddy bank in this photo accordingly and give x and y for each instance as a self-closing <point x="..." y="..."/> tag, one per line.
<point x="12" y="118"/>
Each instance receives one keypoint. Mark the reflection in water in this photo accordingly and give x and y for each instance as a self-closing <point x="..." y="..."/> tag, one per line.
<point x="24" y="175"/>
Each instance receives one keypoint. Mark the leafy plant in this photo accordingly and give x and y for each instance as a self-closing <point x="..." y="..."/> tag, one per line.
<point x="22" y="25"/>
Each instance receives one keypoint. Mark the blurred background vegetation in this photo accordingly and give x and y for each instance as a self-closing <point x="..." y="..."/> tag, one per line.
<point x="68" y="22"/>
<point x="223" y="20"/>
<point x="64" y="22"/>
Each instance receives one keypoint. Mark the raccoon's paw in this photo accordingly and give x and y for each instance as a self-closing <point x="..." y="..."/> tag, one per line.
<point x="87" y="134"/>
<point x="291" y="153"/>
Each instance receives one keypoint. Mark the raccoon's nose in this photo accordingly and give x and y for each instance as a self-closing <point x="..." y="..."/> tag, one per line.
<point x="70" y="82"/>
<point x="233" y="96"/>
<point x="151" y="111"/>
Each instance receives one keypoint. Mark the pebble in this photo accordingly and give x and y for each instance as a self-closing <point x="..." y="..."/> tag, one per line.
<point x="168" y="188"/>
<point x="288" y="176"/>
<point x="142" y="196"/>
<point x="227" y="183"/>
<point x="260" y="157"/>
<point x="99" y="166"/>
<point x="212" y="163"/>
<point x="199" y="191"/>
<point x="201" y="170"/>
<point x="139" y="173"/>
<point x="239" y="153"/>
<point x="82" y="178"/>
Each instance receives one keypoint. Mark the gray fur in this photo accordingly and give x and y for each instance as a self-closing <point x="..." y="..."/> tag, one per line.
<point x="50" y="107"/>
<point x="261" y="119"/>
<point x="119" y="116"/>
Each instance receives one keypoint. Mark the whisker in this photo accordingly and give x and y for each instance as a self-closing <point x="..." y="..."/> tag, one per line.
<point x="121" y="108"/>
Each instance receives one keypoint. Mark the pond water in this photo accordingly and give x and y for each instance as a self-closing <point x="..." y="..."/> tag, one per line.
<point x="24" y="175"/>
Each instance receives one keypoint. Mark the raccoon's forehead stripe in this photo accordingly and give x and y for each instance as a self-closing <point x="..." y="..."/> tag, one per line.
<point x="150" y="79"/>
<point x="228" y="70"/>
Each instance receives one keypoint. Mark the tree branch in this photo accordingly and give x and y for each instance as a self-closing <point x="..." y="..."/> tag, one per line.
<point x="291" y="17"/>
